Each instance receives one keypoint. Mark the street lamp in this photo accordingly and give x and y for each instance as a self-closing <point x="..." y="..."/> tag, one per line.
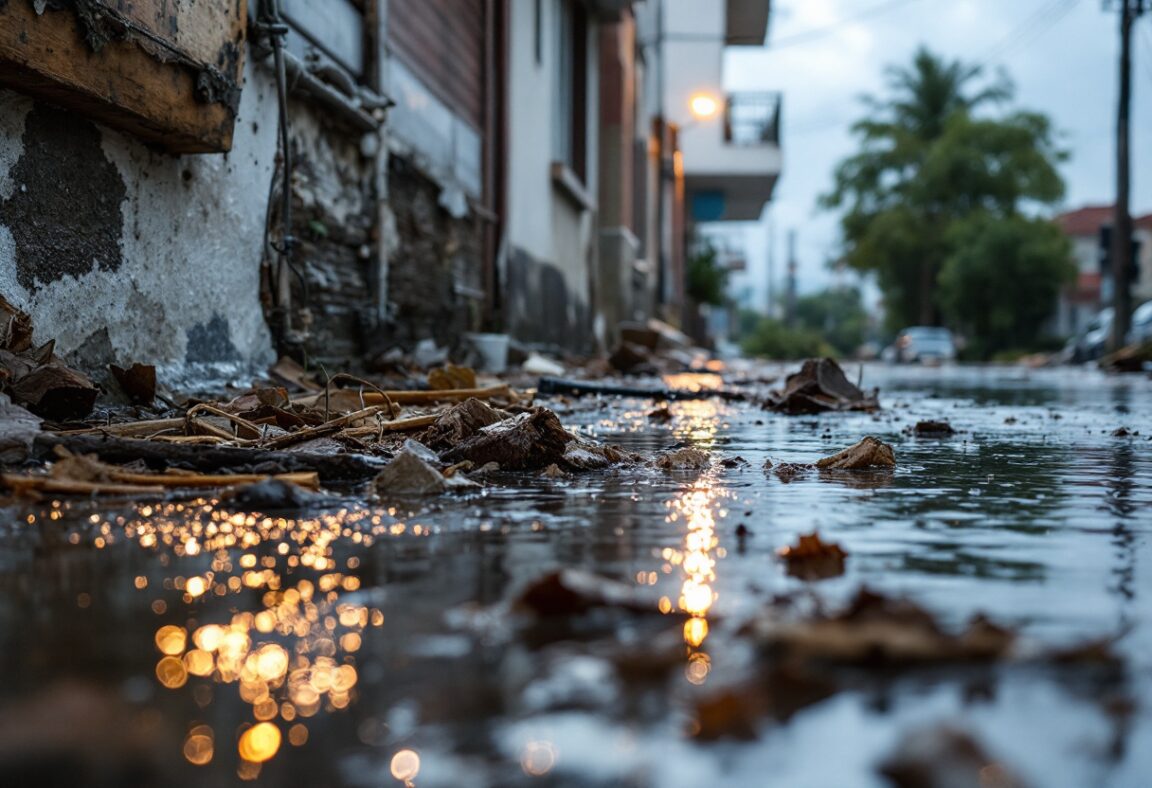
<point x="703" y="106"/>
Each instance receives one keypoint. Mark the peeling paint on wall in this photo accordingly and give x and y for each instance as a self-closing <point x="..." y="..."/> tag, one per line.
<point x="65" y="212"/>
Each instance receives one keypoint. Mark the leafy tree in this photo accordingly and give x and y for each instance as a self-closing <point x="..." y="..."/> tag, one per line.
<point x="837" y="314"/>
<point x="706" y="278"/>
<point x="928" y="159"/>
<point x="772" y="339"/>
<point x="1001" y="280"/>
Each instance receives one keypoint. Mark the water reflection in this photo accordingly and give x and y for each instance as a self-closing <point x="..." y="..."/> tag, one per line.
<point x="296" y="620"/>
<point x="696" y="559"/>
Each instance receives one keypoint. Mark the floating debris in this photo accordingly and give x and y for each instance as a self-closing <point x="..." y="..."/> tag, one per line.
<point x="811" y="558"/>
<point x="945" y="757"/>
<point x="820" y="386"/>
<point x="868" y="453"/>
<point x="686" y="459"/>
<point x="408" y="474"/>
<point x="933" y="429"/>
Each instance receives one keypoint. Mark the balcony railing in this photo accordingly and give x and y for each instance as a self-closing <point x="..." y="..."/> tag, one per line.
<point x="752" y="119"/>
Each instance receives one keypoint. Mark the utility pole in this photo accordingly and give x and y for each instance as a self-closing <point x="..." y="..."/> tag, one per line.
<point x="1122" y="218"/>
<point x="771" y="266"/>
<point x="790" y="292"/>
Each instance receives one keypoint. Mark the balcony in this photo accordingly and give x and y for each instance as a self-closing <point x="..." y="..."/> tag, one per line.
<point x="752" y="119"/>
<point x="731" y="165"/>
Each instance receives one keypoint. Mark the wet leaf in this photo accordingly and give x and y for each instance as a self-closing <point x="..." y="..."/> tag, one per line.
<point x="138" y="382"/>
<point x="945" y="757"/>
<point x="811" y="558"/>
<point x="820" y="386"/>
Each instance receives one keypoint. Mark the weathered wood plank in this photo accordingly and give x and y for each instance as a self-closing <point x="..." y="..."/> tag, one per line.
<point x="133" y="83"/>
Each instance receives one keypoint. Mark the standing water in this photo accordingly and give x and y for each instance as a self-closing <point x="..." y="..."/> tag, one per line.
<point x="187" y="643"/>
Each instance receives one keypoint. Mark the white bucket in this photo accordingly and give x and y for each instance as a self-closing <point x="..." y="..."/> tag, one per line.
<point x="492" y="349"/>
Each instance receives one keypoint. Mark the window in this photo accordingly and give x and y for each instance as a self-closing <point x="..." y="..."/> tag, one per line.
<point x="571" y="116"/>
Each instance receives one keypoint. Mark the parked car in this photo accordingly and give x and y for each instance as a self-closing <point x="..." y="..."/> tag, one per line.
<point x="926" y="345"/>
<point x="1091" y="343"/>
<point x="1140" y="329"/>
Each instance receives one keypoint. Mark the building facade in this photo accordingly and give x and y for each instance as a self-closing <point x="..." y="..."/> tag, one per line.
<point x="444" y="166"/>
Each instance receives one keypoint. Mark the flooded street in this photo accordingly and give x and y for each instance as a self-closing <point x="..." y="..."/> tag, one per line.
<point x="188" y="643"/>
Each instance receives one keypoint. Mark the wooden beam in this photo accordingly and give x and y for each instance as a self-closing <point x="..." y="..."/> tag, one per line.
<point x="141" y="82"/>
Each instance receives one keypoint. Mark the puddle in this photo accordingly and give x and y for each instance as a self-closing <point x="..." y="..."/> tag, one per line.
<point x="359" y="647"/>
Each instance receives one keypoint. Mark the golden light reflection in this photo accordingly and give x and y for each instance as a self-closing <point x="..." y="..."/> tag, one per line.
<point x="199" y="746"/>
<point x="695" y="558"/>
<point x="405" y="765"/>
<point x="259" y="743"/>
<point x="538" y="758"/>
<point x="286" y="644"/>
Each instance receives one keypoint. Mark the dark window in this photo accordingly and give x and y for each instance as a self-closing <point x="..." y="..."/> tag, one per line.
<point x="572" y="87"/>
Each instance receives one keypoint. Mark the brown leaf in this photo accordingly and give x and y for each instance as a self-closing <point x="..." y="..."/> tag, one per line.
<point x="451" y="377"/>
<point x="138" y="382"/>
<point x="811" y="558"/>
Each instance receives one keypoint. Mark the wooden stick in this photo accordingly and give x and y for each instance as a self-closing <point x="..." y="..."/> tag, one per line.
<point x="131" y="429"/>
<point x="255" y="431"/>
<point x="422" y="397"/>
<point x="400" y="425"/>
<point x="311" y="480"/>
<point x="72" y="487"/>
<point x="320" y="430"/>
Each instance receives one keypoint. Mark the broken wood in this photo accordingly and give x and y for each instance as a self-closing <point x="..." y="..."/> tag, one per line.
<point x="55" y="392"/>
<point x="503" y="391"/>
<point x="336" y="468"/>
<point x="527" y="441"/>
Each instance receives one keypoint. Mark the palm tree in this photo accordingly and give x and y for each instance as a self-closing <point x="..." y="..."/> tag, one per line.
<point x="896" y="217"/>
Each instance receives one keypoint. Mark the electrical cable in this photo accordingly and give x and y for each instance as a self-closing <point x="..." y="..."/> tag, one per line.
<point x="815" y="33"/>
<point x="1029" y="30"/>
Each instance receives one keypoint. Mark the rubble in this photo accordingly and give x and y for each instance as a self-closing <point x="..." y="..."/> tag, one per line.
<point x="527" y="441"/>
<point x="409" y="474"/>
<point x="685" y="459"/>
<point x="820" y="386"/>
<point x="868" y="453"/>
<point x="459" y="423"/>
<point x="34" y="377"/>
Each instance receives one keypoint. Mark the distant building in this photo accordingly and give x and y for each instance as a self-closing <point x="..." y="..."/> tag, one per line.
<point x="1092" y="289"/>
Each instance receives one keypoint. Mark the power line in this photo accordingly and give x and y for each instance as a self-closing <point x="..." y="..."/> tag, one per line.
<point x="1029" y="30"/>
<point x="814" y="33"/>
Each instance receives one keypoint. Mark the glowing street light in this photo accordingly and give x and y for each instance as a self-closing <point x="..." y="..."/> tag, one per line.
<point x="703" y="106"/>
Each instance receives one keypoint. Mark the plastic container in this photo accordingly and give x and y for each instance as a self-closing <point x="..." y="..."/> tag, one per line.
<point x="492" y="349"/>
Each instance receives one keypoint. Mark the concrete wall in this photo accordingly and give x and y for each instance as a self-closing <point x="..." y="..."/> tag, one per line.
<point x="124" y="254"/>
<point x="551" y="240"/>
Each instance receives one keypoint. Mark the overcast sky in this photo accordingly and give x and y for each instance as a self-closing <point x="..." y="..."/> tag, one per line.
<point x="824" y="54"/>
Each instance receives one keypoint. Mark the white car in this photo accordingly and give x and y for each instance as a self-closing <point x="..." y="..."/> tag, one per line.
<point x="926" y="345"/>
<point x="1140" y="329"/>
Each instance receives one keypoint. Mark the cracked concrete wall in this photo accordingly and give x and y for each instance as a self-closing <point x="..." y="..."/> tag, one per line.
<point x="125" y="254"/>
